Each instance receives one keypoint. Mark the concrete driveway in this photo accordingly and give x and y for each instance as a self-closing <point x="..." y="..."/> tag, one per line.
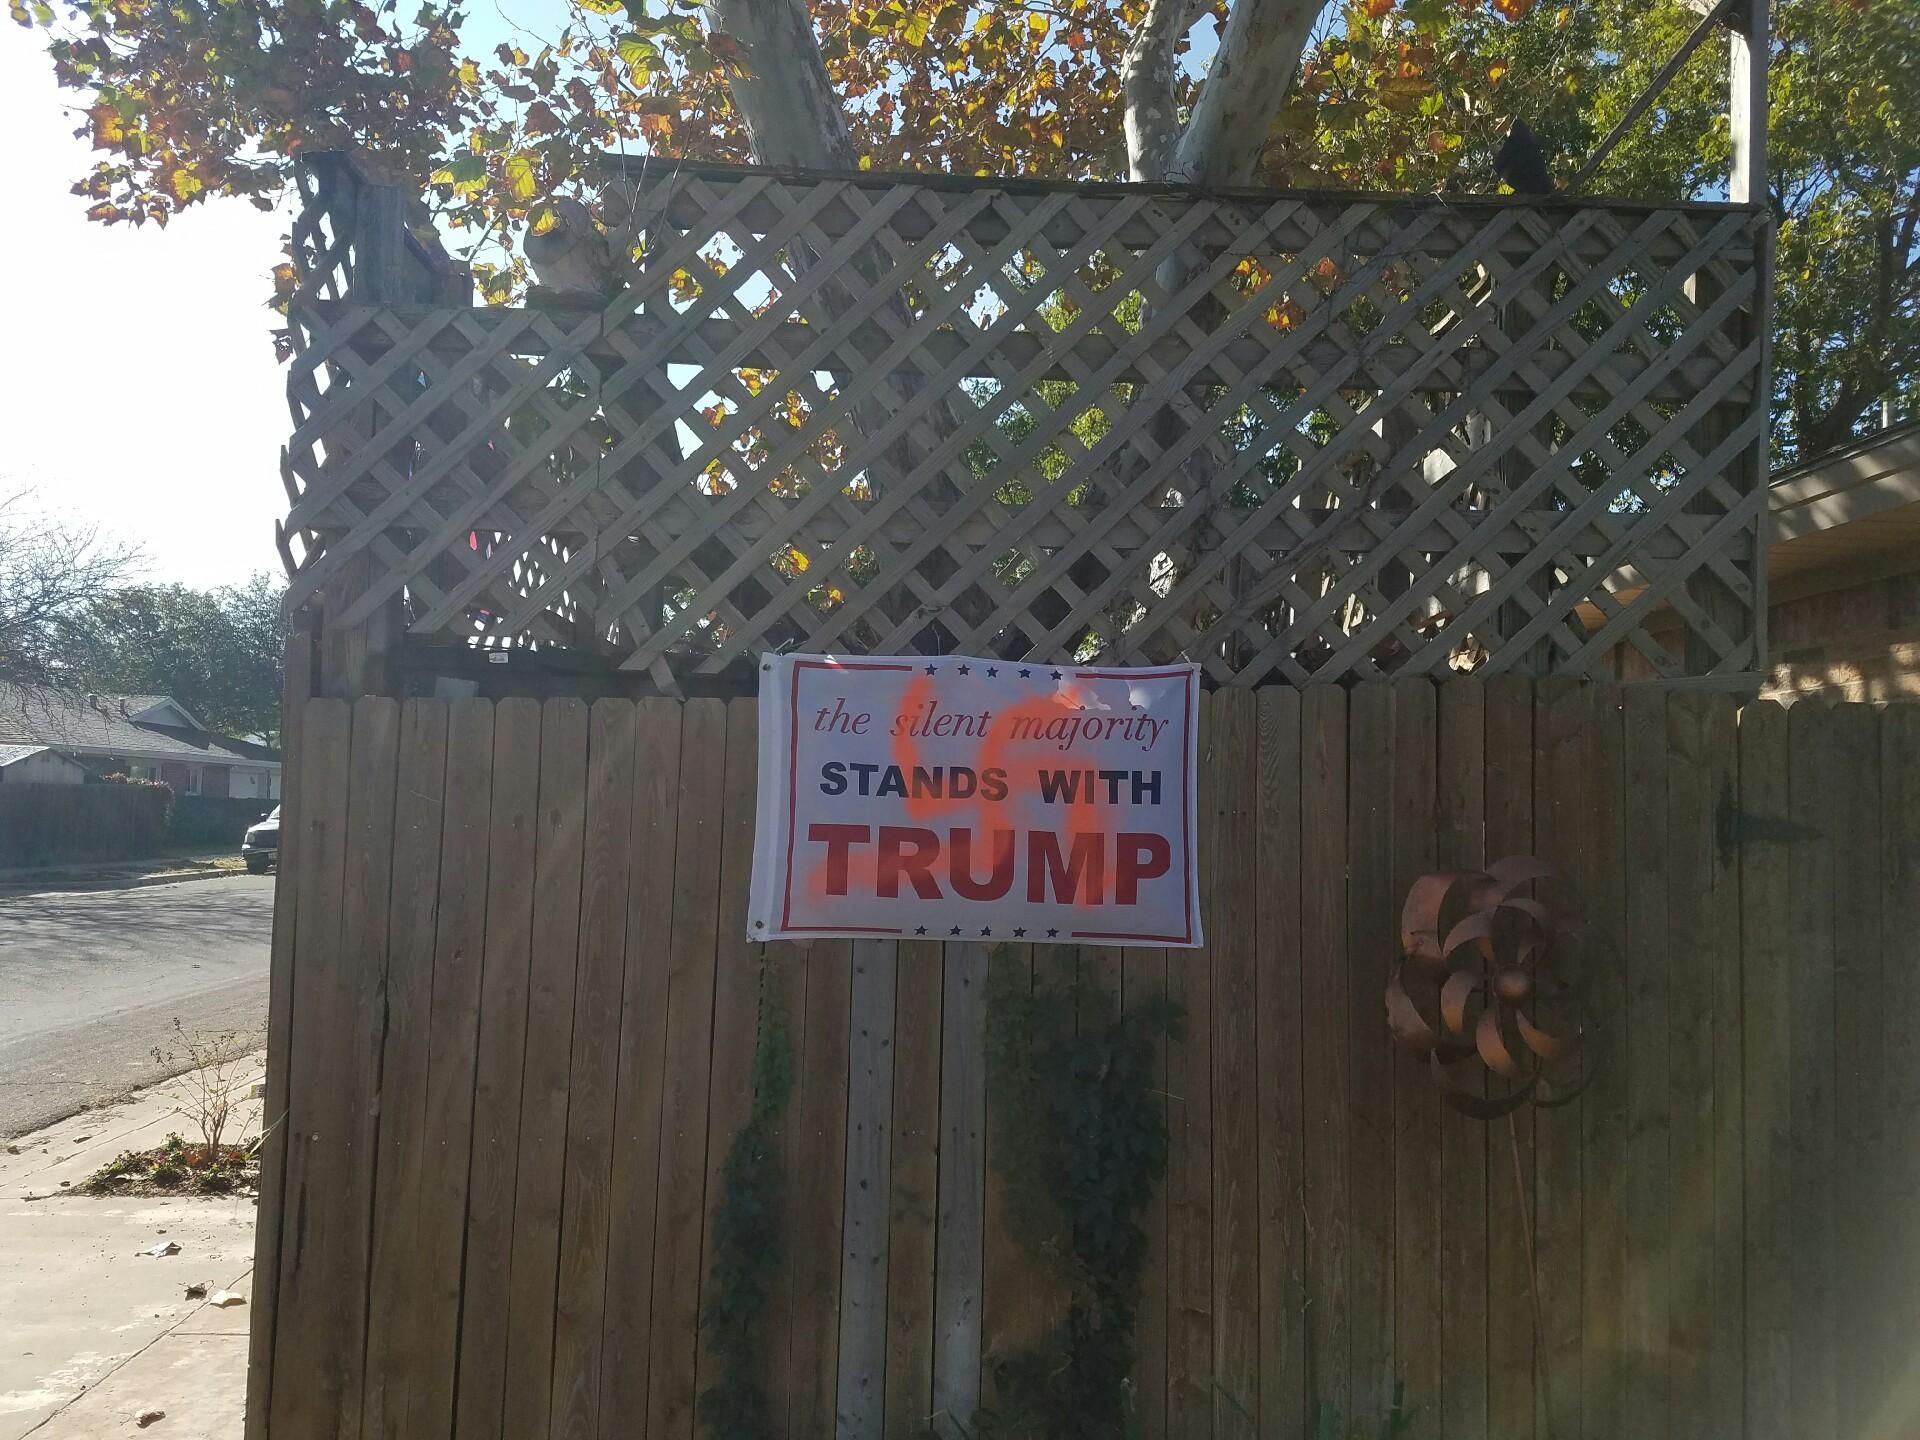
<point x="90" y="983"/>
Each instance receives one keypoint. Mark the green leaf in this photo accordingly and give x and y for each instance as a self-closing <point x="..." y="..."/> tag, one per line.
<point x="916" y="28"/>
<point x="637" y="52"/>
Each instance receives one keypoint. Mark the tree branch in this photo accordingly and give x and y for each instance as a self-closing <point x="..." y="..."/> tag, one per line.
<point x="1146" y="88"/>
<point x="787" y="101"/>
<point x="1250" y="75"/>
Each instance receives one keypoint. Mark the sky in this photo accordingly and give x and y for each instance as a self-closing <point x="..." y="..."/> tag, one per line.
<point x="141" y="392"/>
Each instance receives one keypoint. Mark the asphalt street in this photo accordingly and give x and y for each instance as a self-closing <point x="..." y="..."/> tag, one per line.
<point x="90" y="984"/>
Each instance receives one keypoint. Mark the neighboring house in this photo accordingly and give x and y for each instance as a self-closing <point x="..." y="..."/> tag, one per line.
<point x="37" y="765"/>
<point x="1844" y="573"/>
<point x="149" y="737"/>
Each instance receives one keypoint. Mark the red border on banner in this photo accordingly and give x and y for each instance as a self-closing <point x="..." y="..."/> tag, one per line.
<point x="1186" y="676"/>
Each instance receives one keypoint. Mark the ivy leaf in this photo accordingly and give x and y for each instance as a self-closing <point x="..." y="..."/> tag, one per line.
<point x="914" y="32"/>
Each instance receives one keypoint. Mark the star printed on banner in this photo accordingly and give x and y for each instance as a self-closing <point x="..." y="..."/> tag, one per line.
<point x="1056" y="674"/>
<point x="1018" y="931"/>
<point x="966" y="670"/>
<point x="992" y="671"/>
<point x="1051" y="933"/>
<point x="919" y="929"/>
<point x="954" y="931"/>
<point x="933" y="669"/>
<point x="986" y="929"/>
<point x="1025" y="673"/>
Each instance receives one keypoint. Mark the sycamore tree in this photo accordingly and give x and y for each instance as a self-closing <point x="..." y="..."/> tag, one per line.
<point x="187" y="99"/>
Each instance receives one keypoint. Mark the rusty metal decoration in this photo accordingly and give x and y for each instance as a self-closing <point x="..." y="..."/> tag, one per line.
<point x="1490" y="977"/>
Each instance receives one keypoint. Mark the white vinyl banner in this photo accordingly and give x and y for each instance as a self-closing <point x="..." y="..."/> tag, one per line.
<point x="959" y="798"/>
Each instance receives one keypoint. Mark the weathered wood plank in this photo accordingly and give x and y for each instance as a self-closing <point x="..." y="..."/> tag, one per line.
<point x="1767" y="1080"/>
<point x="1859" y="1135"/>
<point x="820" y="1126"/>
<point x="1144" y="981"/>
<point x="961" y="1213"/>
<point x="1460" y="840"/>
<point x="296" y="688"/>
<point x="1900" y="1029"/>
<point x="1324" y="1045"/>
<point x="394" y="1360"/>
<point x="1817" y="821"/>
<point x="306" y="1397"/>
<point x="453" y="1053"/>
<point x="1604" y="1175"/>
<point x="1280" y="1144"/>
<point x="1512" y="1365"/>
<point x="1418" y="1284"/>
<point x="1233" y="941"/>
<point x="1372" y="916"/>
<point x="680" y="1216"/>
<point x="1664" y="810"/>
<point x="1190" y="1214"/>
<point x="860" y="1402"/>
<point x="587" y="1214"/>
<point x="1721" y="951"/>
<point x="913" y="1188"/>
<point x="736" y="983"/>
<point x="1015" y="1285"/>
<point x="559" y="846"/>
<point x="640" y="1083"/>
<point x="1563" y="817"/>
<point x="500" y="1060"/>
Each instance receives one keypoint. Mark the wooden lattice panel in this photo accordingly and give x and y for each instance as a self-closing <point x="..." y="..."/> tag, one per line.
<point x="1277" y="434"/>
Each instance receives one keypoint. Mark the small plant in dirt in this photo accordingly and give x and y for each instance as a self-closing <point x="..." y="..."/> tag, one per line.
<point x="178" y="1167"/>
<point x="214" y="1095"/>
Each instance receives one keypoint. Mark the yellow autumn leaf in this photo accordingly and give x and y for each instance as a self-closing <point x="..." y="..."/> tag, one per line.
<point x="1037" y="24"/>
<point x="1496" y="72"/>
<point x="796" y="560"/>
<point x="522" y="181"/>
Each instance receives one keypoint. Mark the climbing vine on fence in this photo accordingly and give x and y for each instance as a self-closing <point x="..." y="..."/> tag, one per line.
<point x="1080" y="1140"/>
<point x="746" y="1235"/>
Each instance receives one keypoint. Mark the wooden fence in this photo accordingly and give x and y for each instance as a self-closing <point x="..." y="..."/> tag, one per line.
<point x="42" y="823"/>
<point x="1283" y="435"/>
<point x="514" y="1009"/>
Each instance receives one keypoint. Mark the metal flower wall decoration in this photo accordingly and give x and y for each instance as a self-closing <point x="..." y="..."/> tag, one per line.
<point x="1490" y="982"/>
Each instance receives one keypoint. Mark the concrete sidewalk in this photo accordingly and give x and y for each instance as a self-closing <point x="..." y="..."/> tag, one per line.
<point x="94" y="1334"/>
<point x="21" y="881"/>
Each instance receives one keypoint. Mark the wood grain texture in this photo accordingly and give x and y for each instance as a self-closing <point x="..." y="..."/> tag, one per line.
<point x="1460" y="842"/>
<point x="1899" y="1398"/>
<point x="453" y="1051"/>
<point x="865" y="1207"/>
<point x="1233" y="941"/>
<point x="1767" y="1077"/>
<point x="640" y="1083"/>
<point x="1720" y="900"/>
<point x="1279" y="1147"/>
<point x="1373" y="911"/>
<point x="499" y="1062"/>
<point x="394" y="1359"/>
<point x="1144" y="982"/>
<point x="1512" y="1365"/>
<point x="681" y="1215"/>
<point x="1324" y="1049"/>
<point x="306" y="1390"/>
<point x="1666" y="800"/>
<point x="296" y="688"/>
<point x="587" y="1213"/>
<point x="1190" y="1213"/>
<point x="1418" y="1284"/>
<point x="737" y="976"/>
<point x="1859" y="1138"/>
<point x="913" y="1188"/>
<point x="1563" y="817"/>
<point x="962" y="1191"/>
<point x="820" y="1123"/>
<point x="1604" y="1175"/>
<point x="1817" y="822"/>
<point x="545" y="1095"/>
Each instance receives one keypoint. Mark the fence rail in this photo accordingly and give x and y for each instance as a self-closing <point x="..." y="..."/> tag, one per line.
<point x="1289" y="436"/>
<point x="518" y="1012"/>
